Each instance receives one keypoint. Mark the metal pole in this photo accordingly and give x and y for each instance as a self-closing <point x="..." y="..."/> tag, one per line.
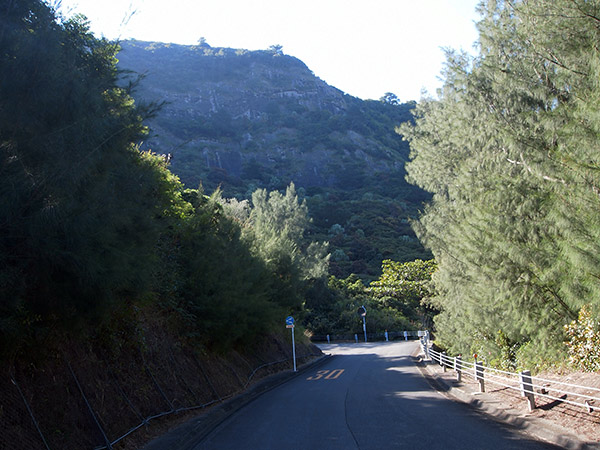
<point x="527" y="389"/>
<point x="294" y="349"/>
<point x="458" y="367"/>
<point x="365" y="327"/>
<point x="479" y="375"/>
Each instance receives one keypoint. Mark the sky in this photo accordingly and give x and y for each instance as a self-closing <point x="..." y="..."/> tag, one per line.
<point x="366" y="48"/>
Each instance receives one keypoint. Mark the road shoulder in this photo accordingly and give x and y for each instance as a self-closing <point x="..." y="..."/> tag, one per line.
<point x="188" y="435"/>
<point x="491" y="406"/>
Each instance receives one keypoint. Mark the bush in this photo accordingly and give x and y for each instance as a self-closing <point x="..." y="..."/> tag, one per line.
<point x="584" y="341"/>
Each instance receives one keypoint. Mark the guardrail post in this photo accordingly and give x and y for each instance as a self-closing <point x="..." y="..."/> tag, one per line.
<point x="479" y="375"/>
<point x="443" y="360"/>
<point x="458" y="367"/>
<point x="527" y="389"/>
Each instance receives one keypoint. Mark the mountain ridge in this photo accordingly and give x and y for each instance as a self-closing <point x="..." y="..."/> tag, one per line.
<point x="240" y="120"/>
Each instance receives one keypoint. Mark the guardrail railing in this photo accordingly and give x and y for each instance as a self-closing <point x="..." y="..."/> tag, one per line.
<point x="527" y="385"/>
<point x="357" y="337"/>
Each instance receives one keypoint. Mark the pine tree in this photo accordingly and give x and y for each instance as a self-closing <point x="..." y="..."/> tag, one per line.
<point x="277" y="224"/>
<point x="510" y="153"/>
<point x="78" y="203"/>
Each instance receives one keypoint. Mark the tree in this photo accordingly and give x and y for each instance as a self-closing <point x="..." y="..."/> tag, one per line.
<point x="69" y="169"/>
<point x="406" y="287"/>
<point x="218" y="281"/>
<point x="390" y="98"/>
<point x="509" y="152"/>
<point x="276" y="49"/>
<point x="331" y="309"/>
<point x="276" y="227"/>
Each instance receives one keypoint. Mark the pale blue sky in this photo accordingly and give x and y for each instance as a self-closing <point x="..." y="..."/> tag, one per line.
<point x="365" y="48"/>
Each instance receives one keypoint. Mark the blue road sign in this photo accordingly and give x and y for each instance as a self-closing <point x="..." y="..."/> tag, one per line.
<point x="289" y="323"/>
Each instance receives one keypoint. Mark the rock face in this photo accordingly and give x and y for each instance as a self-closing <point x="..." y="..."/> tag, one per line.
<point x="242" y="120"/>
<point x="229" y="113"/>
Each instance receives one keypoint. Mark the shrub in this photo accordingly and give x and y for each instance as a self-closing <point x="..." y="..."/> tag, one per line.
<point x="584" y="341"/>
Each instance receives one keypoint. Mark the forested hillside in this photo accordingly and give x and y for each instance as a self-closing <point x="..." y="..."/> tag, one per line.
<point x="242" y="120"/>
<point x="94" y="229"/>
<point x="510" y="152"/>
<point x="126" y="293"/>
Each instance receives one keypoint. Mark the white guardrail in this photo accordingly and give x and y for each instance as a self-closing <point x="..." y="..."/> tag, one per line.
<point x="527" y="385"/>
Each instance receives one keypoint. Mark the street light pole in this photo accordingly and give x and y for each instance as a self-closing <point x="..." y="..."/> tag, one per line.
<point x="365" y="327"/>
<point x="362" y="312"/>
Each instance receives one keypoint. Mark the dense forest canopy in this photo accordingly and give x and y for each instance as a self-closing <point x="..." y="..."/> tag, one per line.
<point x="94" y="228"/>
<point x="510" y="153"/>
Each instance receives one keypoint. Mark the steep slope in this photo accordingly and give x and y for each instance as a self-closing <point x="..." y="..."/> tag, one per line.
<point x="242" y="120"/>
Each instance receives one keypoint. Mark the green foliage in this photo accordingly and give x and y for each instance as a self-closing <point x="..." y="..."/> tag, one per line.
<point x="231" y="271"/>
<point x="332" y="309"/>
<point x="510" y="154"/>
<point x="93" y="228"/>
<point x="248" y="120"/>
<point x="225" y="301"/>
<point x="374" y="229"/>
<point x="407" y="288"/>
<point x="68" y="170"/>
<point x="584" y="341"/>
<point x="277" y="224"/>
<point x="507" y="351"/>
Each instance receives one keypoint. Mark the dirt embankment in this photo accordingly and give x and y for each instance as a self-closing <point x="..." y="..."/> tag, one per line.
<point x="80" y="397"/>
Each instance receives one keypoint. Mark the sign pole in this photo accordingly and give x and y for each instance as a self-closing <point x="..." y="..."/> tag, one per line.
<point x="289" y="323"/>
<point x="294" y="349"/>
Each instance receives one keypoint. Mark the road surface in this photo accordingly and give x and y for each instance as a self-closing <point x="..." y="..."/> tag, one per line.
<point x="368" y="396"/>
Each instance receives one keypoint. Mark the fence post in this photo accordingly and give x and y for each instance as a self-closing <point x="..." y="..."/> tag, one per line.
<point x="479" y="375"/>
<point x="458" y="367"/>
<point x="425" y="347"/>
<point x="443" y="360"/>
<point x="527" y="389"/>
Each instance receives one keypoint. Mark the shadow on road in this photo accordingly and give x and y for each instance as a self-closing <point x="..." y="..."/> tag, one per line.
<point x="368" y="396"/>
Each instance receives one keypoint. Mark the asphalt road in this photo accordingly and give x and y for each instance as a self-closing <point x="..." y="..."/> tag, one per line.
<point x="368" y="396"/>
